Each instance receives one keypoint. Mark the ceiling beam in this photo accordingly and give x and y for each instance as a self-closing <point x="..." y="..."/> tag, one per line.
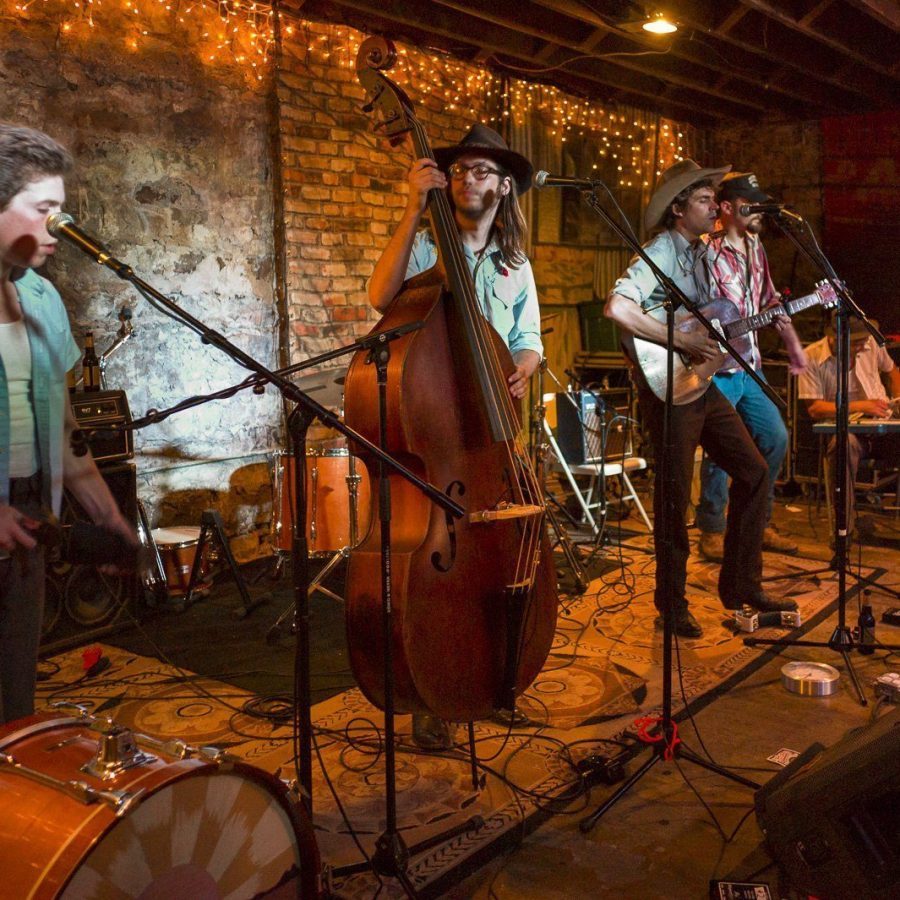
<point x="814" y="13"/>
<point x="774" y="12"/>
<point x="886" y="12"/>
<point x="672" y="78"/>
<point x="698" y="14"/>
<point x="406" y="16"/>
<point x="820" y="101"/>
<point x="731" y="20"/>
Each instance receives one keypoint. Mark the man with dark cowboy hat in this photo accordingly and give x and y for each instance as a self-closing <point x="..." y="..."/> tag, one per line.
<point x="684" y="207"/>
<point x="738" y="271"/>
<point x="483" y="179"/>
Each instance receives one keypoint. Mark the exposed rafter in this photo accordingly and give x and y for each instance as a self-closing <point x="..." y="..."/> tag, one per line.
<point x="731" y="59"/>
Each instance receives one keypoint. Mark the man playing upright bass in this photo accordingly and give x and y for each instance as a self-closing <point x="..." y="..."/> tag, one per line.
<point x="483" y="179"/>
<point x="684" y="207"/>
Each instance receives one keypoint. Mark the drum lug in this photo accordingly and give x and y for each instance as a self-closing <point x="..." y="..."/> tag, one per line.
<point x="116" y="752"/>
<point x="218" y="756"/>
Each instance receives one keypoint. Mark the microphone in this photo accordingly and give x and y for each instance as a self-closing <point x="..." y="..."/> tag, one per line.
<point x="767" y="209"/>
<point x="62" y="225"/>
<point x="545" y="179"/>
<point x="87" y="544"/>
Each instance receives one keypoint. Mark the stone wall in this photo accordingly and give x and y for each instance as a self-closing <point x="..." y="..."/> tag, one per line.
<point x="173" y="174"/>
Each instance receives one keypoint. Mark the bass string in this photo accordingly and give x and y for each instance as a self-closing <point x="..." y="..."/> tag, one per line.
<point x="523" y="477"/>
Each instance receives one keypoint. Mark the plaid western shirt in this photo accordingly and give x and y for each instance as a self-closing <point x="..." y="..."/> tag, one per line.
<point x="744" y="279"/>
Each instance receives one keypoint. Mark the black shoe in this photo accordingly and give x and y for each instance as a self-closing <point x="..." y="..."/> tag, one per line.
<point x="685" y="623"/>
<point x="761" y="602"/>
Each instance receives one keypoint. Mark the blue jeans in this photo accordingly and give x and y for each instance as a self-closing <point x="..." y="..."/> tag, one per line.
<point x="767" y="429"/>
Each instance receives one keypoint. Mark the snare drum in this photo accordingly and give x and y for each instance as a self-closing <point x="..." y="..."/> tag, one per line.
<point x="177" y="548"/>
<point x="329" y="511"/>
<point x="183" y="828"/>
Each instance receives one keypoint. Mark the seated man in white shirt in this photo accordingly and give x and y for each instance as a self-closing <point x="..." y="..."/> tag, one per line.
<point x="866" y="393"/>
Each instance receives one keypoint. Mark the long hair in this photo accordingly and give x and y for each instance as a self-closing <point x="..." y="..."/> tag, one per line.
<point x="510" y="227"/>
<point x="26" y="155"/>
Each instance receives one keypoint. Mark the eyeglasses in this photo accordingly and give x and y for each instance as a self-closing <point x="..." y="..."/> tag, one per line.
<point x="480" y="171"/>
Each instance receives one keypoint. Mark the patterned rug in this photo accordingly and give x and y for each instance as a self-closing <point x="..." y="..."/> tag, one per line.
<point x="603" y="671"/>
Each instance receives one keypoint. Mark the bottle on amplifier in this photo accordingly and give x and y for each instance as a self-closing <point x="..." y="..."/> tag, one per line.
<point x="90" y="365"/>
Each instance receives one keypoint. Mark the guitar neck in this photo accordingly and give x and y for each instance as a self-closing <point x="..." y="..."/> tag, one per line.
<point x="760" y="320"/>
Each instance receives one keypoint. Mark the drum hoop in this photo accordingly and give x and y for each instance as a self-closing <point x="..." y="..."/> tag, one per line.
<point x="163" y="545"/>
<point x="37" y="728"/>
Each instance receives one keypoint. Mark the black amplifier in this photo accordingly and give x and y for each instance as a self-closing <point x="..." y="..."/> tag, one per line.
<point x="98" y="411"/>
<point x="579" y="424"/>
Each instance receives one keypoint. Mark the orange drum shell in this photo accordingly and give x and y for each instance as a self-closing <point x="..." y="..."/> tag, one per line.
<point x="327" y="501"/>
<point x="45" y="835"/>
<point x="178" y="558"/>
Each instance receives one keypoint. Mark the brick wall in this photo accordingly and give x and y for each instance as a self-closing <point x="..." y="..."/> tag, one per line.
<point x="344" y="186"/>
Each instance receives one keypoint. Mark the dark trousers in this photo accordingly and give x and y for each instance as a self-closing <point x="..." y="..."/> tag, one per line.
<point x="712" y="422"/>
<point x="21" y="611"/>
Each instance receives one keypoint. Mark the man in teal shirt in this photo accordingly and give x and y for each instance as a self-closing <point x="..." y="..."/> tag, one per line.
<point x="483" y="179"/>
<point x="36" y="422"/>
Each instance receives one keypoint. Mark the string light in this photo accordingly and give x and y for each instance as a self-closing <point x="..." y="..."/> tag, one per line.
<point x="241" y="33"/>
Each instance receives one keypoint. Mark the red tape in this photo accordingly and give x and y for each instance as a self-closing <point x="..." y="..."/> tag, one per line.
<point x="90" y="657"/>
<point x="644" y="725"/>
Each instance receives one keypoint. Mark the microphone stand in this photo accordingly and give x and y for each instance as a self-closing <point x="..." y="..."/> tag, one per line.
<point x="665" y="743"/>
<point x="841" y="640"/>
<point x="308" y="409"/>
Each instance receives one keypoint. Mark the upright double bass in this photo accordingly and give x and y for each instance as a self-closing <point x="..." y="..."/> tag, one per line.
<point x="474" y="599"/>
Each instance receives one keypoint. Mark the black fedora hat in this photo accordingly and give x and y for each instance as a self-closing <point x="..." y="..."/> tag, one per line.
<point x="486" y="142"/>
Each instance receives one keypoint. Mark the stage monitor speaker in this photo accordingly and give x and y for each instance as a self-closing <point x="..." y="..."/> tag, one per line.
<point x="82" y="603"/>
<point x="832" y="817"/>
<point x="578" y="426"/>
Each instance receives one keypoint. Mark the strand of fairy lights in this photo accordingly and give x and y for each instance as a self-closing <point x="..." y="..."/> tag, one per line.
<point x="242" y="32"/>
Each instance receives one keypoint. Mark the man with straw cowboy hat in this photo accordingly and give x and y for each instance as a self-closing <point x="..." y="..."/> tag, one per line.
<point x="683" y="207"/>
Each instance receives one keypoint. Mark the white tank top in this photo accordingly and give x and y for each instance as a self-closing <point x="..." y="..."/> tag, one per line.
<point x="15" y="352"/>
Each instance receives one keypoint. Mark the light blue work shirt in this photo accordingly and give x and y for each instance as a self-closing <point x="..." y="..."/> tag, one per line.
<point x="53" y="353"/>
<point x="677" y="258"/>
<point x="508" y="296"/>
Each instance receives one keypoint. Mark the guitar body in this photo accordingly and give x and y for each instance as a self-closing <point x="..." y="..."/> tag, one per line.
<point x="690" y="380"/>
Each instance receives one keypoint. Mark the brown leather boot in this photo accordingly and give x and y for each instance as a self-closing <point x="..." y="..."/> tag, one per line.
<point x="712" y="545"/>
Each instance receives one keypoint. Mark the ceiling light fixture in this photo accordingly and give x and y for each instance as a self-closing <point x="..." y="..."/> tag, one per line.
<point x="658" y="23"/>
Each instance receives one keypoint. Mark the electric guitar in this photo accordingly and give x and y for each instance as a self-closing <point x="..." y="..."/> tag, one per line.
<point x="691" y="379"/>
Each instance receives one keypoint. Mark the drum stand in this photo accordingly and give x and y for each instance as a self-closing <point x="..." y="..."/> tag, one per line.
<point x="212" y="527"/>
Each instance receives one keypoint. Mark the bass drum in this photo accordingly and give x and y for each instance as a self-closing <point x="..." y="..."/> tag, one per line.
<point x="197" y="828"/>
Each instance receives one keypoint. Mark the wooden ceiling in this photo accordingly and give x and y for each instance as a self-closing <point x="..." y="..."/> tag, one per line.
<point x="730" y="59"/>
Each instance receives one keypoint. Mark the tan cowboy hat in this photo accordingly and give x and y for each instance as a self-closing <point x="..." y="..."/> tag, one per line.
<point x="487" y="142"/>
<point x="672" y="182"/>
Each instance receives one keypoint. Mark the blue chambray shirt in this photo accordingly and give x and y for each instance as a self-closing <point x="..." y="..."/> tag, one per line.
<point x="53" y="353"/>
<point x="677" y="258"/>
<point x="508" y="297"/>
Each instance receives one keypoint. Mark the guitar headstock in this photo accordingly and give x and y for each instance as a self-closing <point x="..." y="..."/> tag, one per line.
<point x="393" y="106"/>
<point x="826" y="294"/>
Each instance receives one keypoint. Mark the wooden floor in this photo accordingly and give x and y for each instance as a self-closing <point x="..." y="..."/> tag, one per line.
<point x="659" y="840"/>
